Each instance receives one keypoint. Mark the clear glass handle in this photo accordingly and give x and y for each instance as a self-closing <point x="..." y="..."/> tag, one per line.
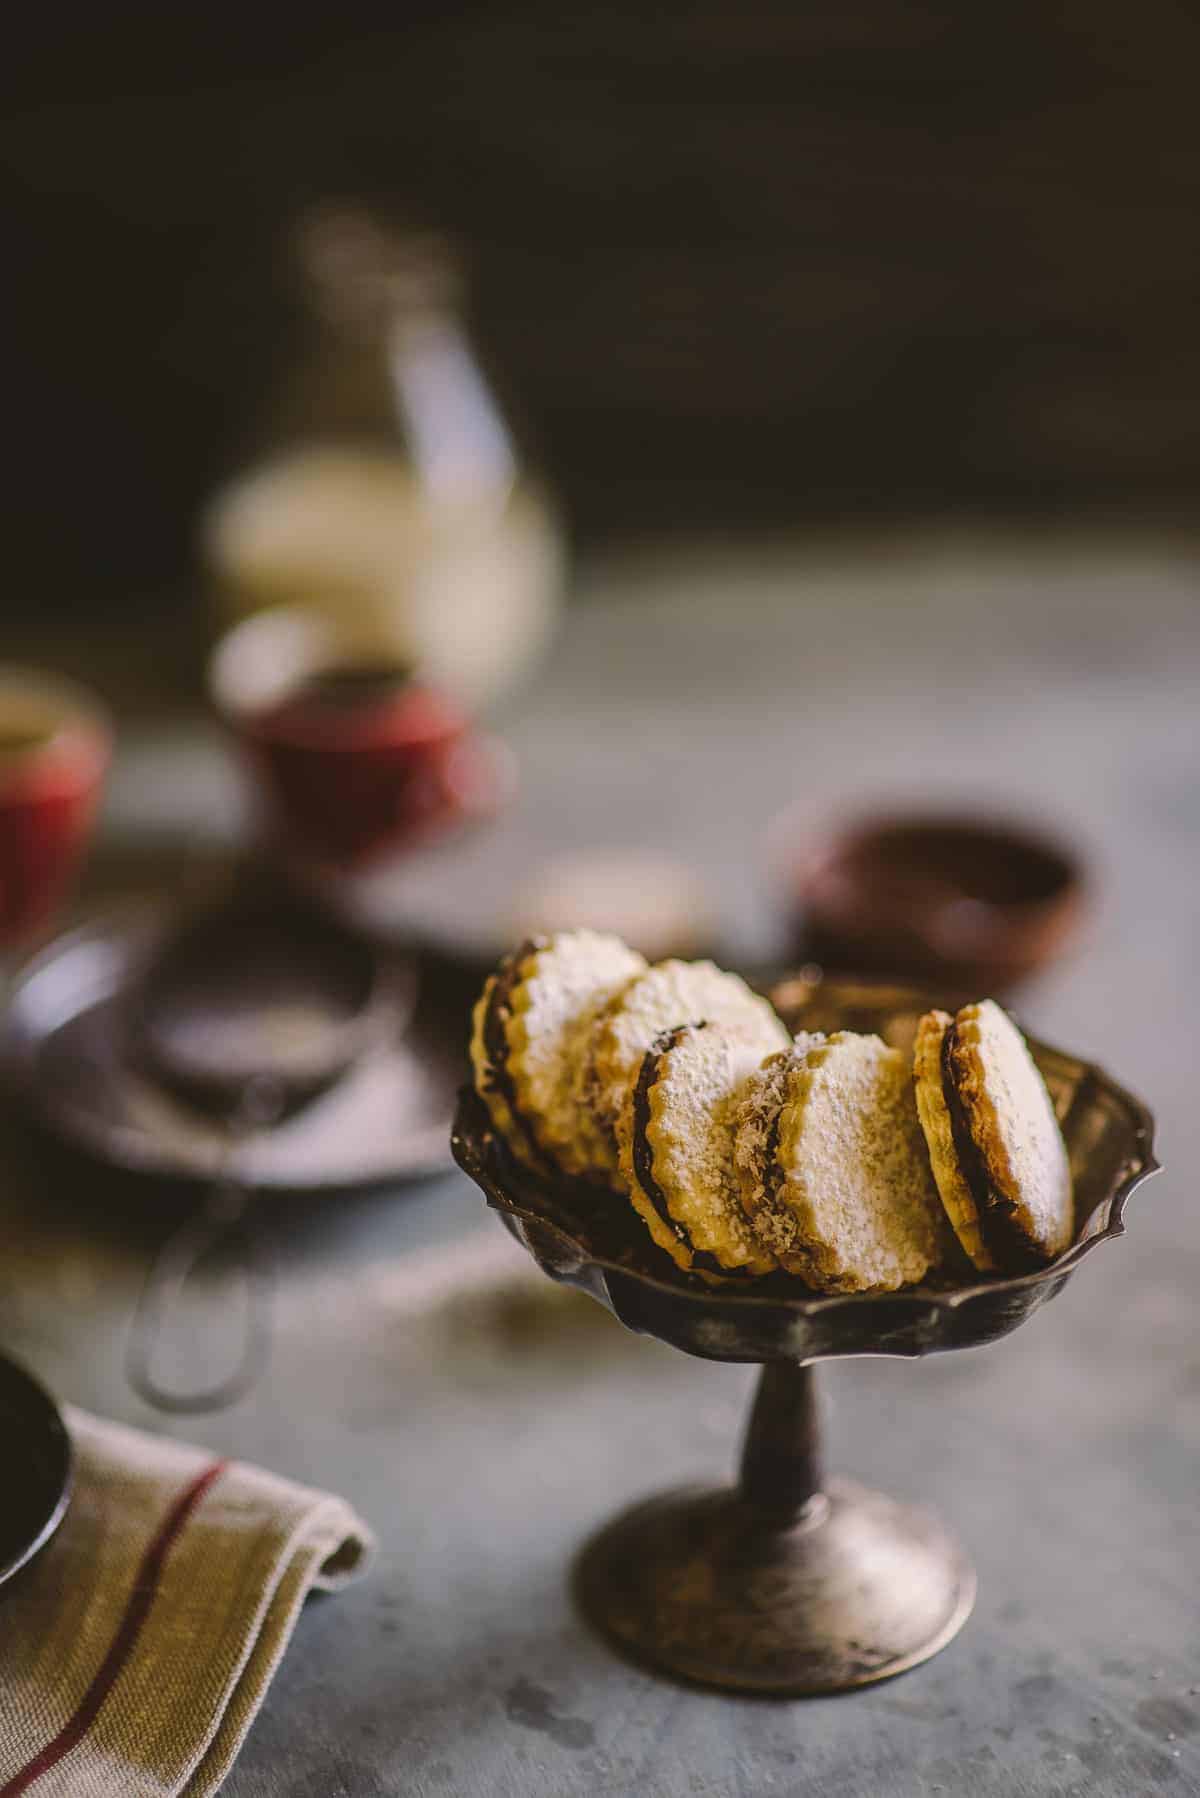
<point x="224" y="1220"/>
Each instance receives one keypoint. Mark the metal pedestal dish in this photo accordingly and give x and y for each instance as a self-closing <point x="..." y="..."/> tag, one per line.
<point x="788" y="1582"/>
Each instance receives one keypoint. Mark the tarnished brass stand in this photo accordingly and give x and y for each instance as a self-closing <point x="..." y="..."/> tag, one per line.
<point x="786" y="1582"/>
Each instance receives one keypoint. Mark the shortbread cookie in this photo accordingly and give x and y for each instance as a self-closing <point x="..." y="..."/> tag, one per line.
<point x="531" y="1026"/>
<point x="675" y="1134"/>
<point x="670" y="993"/>
<point x="832" y="1169"/>
<point x="997" y="1152"/>
<point x="957" y="1198"/>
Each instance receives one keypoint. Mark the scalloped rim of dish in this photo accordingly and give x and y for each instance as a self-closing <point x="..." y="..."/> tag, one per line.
<point x="476" y="1158"/>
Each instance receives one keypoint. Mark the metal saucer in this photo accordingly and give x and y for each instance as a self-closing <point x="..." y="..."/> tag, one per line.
<point x="70" y="1058"/>
<point x="36" y="1490"/>
<point x="786" y="1583"/>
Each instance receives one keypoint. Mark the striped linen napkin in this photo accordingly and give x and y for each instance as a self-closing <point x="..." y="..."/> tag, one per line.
<point x="136" y="1650"/>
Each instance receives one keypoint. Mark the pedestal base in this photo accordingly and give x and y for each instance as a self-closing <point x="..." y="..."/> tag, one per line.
<point x="704" y="1585"/>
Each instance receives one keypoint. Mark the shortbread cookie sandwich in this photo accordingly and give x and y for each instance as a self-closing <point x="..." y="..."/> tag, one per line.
<point x="530" y="1028"/>
<point x="832" y="1169"/>
<point x="669" y="993"/>
<point x="994" y="1143"/>
<point x="675" y="1134"/>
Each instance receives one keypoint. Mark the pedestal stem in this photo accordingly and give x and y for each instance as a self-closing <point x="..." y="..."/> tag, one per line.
<point x="781" y="1456"/>
<point x="784" y="1583"/>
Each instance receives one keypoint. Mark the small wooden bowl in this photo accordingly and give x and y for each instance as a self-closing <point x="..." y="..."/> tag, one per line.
<point x="976" y="906"/>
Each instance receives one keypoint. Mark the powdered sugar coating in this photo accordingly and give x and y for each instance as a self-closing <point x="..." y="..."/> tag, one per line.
<point x="692" y="1100"/>
<point x="670" y="993"/>
<point x="1013" y="1126"/>
<point x="849" y="1202"/>
<point x="561" y="985"/>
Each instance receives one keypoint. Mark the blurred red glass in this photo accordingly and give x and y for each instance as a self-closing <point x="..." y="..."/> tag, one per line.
<point x="55" y="746"/>
<point x="354" y="760"/>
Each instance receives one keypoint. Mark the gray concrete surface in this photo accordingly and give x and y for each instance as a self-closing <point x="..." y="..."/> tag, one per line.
<point x="485" y="1431"/>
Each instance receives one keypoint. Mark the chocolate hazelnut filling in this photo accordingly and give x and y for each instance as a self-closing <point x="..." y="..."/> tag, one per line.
<point x="495" y="1040"/>
<point x="772" y="1221"/>
<point x="1003" y="1237"/>
<point x="643" y="1155"/>
<point x="770" y="1174"/>
<point x="765" y="1164"/>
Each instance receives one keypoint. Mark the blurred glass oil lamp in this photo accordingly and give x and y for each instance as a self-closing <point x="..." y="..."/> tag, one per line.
<point x="389" y="492"/>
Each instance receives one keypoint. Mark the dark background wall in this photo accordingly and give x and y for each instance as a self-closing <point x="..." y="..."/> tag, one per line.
<point x="738" y="262"/>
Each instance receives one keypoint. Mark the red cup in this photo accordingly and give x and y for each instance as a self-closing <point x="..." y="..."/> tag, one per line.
<point x="354" y="760"/>
<point x="55" y="746"/>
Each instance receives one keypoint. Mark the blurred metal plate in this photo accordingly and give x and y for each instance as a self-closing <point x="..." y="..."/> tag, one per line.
<point x="67" y="1057"/>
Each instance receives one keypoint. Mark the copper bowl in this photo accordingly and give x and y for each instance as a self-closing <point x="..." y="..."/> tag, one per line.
<point x="974" y="906"/>
<point x="789" y="1583"/>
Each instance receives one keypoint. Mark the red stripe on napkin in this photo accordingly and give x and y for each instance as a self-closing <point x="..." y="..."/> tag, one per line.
<point x="121" y="1647"/>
